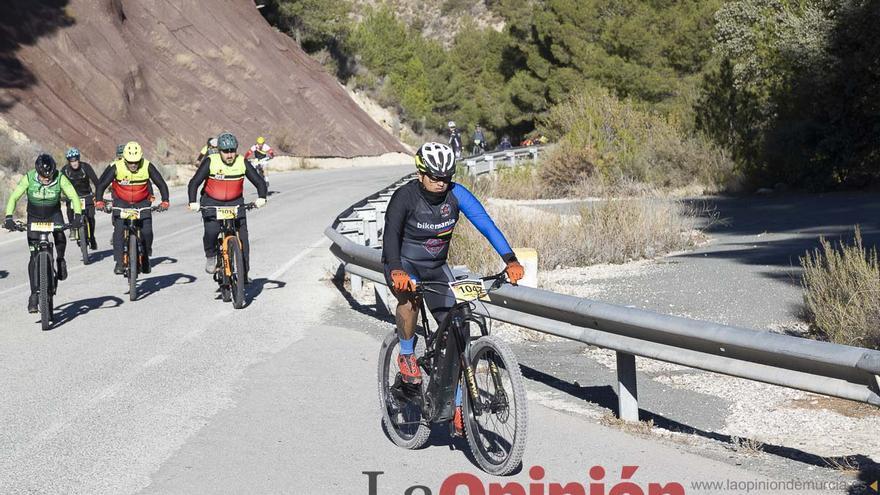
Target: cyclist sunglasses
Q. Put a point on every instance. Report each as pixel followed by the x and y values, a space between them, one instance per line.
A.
pixel 229 151
pixel 438 179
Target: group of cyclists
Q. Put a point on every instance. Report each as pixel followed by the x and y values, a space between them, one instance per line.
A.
pixel 480 145
pixel 131 178
pixel 419 220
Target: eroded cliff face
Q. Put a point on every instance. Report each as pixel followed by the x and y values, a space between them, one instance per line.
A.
pixel 94 73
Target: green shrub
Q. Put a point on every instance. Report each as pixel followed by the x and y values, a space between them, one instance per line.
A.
pixel 842 292
pixel 600 134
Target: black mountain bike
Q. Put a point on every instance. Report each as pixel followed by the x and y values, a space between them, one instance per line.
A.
pixel 230 273
pixel 493 393
pixel 83 233
pixel 47 281
pixel 134 253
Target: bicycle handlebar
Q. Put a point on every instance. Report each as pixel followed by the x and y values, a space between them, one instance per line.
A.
pixel 246 206
pixel 109 208
pixel 23 226
pixel 425 285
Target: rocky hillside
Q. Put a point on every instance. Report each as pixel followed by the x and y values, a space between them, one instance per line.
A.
pixel 93 73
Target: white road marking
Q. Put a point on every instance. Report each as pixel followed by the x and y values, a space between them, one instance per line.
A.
pixel 287 266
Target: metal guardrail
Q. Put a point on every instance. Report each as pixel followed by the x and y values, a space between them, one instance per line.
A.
pixel 821 367
pixel 490 161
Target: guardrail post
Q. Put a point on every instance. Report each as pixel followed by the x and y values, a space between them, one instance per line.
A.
pixel 471 166
pixel 491 160
pixel 357 283
pixel 534 153
pixel 380 206
pixel 371 232
pixel 512 157
pixel 627 394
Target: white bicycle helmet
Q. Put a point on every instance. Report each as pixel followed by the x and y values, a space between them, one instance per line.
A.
pixel 451 124
pixel 436 159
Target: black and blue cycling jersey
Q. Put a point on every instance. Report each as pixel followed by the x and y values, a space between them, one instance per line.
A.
pixel 419 225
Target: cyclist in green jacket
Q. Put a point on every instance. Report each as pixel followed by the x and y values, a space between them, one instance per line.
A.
pixel 44 186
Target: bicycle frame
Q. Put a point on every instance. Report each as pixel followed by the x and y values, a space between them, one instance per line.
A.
pixel 132 227
pixel 45 245
pixel 446 368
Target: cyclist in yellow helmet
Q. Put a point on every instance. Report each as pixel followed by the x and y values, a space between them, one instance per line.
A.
pixel 259 156
pixel 130 177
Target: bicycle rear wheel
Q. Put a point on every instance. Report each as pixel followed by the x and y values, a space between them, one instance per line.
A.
pixel 132 266
pixel 401 416
pixel 83 234
pixel 44 273
pixel 497 421
pixel 236 265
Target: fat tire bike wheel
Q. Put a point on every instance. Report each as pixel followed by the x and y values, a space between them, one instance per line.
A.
pixel 236 269
pixel 401 418
pixel 44 272
pixel 497 423
pixel 132 266
pixel 84 241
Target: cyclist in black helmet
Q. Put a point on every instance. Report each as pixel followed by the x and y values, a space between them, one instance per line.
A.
pixel 83 177
pixel 44 186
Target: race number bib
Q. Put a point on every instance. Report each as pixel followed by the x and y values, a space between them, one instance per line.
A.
pixel 227 213
pixel 468 290
pixel 130 214
pixel 42 227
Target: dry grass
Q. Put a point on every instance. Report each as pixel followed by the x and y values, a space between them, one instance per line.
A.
pixel 529 182
pixel 748 446
pixel 842 292
pixel 609 231
pixel 640 427
pixel 16 158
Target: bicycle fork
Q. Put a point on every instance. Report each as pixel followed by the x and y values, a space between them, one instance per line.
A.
pixel 224 253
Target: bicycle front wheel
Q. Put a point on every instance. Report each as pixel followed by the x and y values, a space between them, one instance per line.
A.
pixel 132 266
pixel 497 421
pixel 401 412
pixel 82 232
pixel 236 259
pixel 44 273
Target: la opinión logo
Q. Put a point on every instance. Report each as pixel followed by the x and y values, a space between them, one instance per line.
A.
pixel 454 484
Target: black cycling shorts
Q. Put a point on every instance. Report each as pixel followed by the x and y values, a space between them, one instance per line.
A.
pixel 438 304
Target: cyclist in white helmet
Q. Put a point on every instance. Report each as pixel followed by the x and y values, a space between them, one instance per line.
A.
pixel 455 139
pixel 418 229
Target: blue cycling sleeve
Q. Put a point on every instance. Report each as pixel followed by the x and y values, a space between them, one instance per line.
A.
pixel 474 211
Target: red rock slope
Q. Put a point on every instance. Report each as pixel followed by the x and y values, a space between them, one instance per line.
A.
pixel 94 73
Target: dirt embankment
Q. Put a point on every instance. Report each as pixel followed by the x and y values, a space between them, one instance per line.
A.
pixel 94 73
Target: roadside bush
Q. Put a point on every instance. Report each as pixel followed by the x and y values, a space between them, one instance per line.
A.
pixel 519 182
pixel 606 231
pixel 842 292
pixel 600 134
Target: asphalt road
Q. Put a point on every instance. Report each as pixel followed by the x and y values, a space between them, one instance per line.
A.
pixel 179 393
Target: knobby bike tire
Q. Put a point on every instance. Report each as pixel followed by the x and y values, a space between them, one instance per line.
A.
pixel 482 441
pixel 238 275
pixel 84 241
pixel 132 266
pixel 414 434
pixel 44 273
